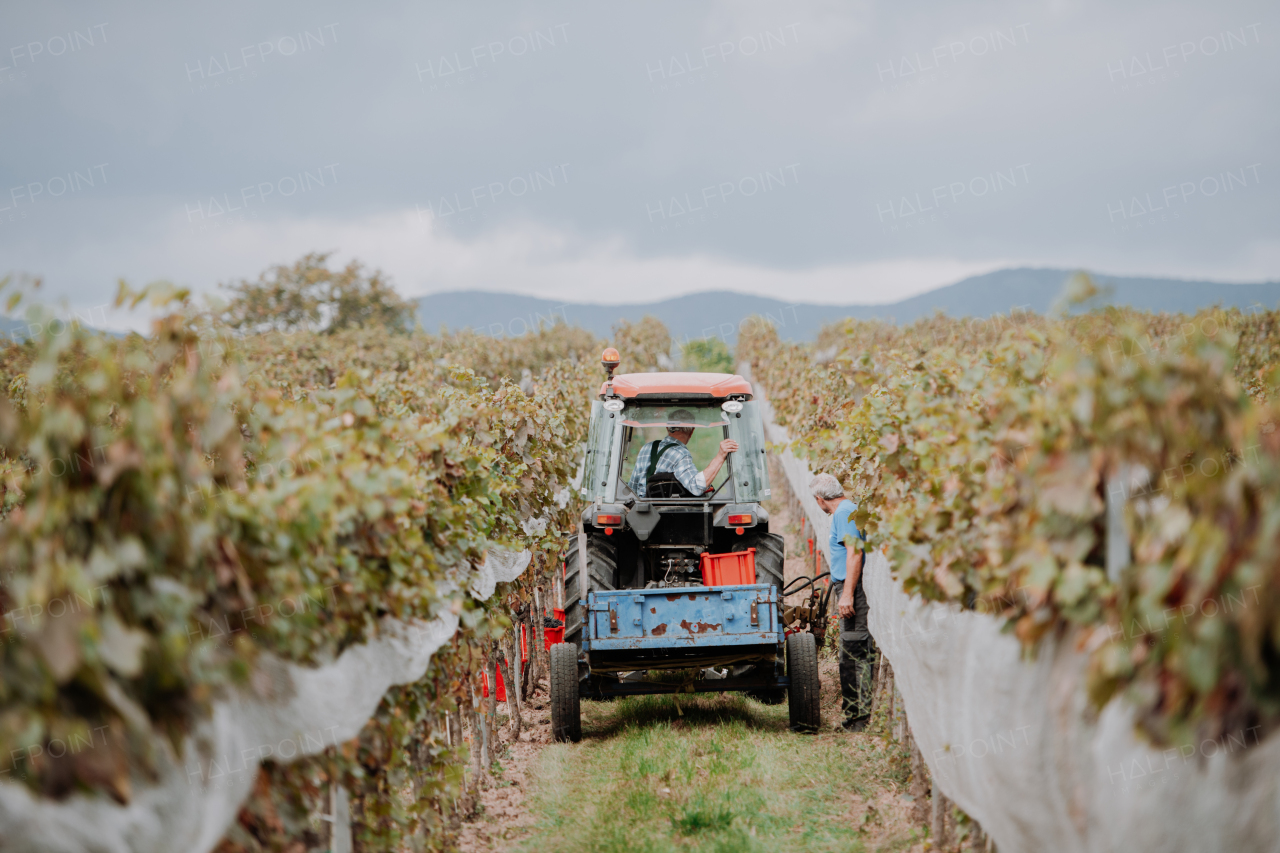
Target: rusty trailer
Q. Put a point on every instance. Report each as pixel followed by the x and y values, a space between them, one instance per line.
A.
pixel 694 629
pixel 630 627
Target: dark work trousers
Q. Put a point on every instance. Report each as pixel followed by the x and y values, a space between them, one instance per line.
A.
pixel 856 657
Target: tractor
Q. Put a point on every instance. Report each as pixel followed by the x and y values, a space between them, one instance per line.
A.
pixel 666 591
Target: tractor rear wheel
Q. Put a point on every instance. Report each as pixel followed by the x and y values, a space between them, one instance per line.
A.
pixel 566 710
pixel 603 556
pixel 770 555
pixel 802 695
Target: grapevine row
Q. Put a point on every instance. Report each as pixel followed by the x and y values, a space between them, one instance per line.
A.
pixel 165 497
pixel 982 455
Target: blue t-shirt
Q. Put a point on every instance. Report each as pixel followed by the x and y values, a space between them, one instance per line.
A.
pixel 842 526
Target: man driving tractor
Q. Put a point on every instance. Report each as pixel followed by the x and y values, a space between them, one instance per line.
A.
pixel 670 455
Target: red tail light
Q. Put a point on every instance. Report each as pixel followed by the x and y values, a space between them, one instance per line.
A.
pixel 608 520
pixel 741 519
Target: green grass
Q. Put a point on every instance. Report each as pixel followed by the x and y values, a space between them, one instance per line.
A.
pixel 713 773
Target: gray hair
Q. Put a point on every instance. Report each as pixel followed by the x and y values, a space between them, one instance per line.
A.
pixel 826 486
pixel 680 415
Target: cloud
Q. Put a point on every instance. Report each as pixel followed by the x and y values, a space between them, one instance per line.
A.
pixel 524 257
pixel 850 152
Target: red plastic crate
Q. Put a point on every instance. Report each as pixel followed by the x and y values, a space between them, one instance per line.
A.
pixel 502 688
pixel 551 636
pixel 738 567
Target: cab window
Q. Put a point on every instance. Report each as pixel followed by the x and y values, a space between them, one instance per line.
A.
pixel 643 424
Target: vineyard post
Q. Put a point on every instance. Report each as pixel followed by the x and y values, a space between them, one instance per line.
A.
pixel 513 707
pixel 339 819
pixel 902 726
pixel 517 665
pixel 889 690
pixel 919 786
pixel 938 824
pixel 529 671
pixel 1118 553
pixel 454 721
pixel 486 753
pixel 533 652
pixel 535 638
pixel 473 717
pixel 537 626
pixel 417 756
pixel 491 676
pixel 455 727
pixel 876 666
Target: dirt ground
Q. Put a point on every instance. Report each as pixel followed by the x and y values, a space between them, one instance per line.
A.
pixel 504 814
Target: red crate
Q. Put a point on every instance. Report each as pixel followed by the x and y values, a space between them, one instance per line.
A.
pixel 551 636
pixel 738 567
pixel 502 688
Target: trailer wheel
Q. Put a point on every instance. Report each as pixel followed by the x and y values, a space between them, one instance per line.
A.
pixel 566 711
pixel 802 695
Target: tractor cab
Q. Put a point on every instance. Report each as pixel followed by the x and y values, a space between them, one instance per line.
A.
pixel 659 527
pixel 637 409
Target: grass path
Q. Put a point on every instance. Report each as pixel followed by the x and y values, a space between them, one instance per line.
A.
pixel 702 773
pixel 714 772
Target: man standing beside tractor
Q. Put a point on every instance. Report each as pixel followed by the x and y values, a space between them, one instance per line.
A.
pixel 851 602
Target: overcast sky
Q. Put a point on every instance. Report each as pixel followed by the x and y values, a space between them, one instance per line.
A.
pixel 838 152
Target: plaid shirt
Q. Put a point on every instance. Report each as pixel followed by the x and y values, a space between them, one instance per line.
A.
pixel 677 460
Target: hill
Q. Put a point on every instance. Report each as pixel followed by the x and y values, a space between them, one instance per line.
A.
pixel 711 313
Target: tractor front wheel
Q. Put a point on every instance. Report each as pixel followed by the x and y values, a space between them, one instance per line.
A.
pixel 566 710
pixel 802 668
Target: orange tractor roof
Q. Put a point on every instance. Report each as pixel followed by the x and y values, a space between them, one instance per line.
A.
pixel 657 385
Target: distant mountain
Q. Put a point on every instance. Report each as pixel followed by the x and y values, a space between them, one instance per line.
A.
pixel 1036 289
pixel 711 313
pixel 16 329
pixel 13 328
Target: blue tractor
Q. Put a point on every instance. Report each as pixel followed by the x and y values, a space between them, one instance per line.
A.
pixel 659 596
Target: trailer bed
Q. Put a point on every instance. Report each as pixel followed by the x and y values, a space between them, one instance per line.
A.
pixel 715 622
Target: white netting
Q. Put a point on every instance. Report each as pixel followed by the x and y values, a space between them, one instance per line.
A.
pixel 293 711
pixel 500 566
pixel 1013 743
